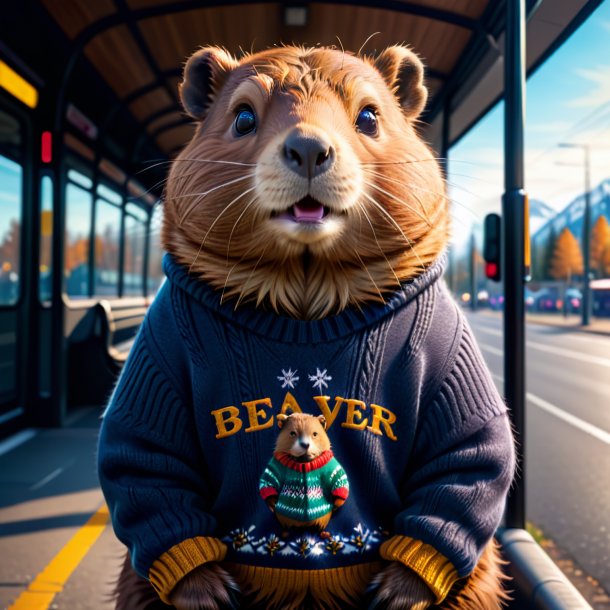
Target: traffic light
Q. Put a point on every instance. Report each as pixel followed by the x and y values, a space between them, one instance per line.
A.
pixel 492 246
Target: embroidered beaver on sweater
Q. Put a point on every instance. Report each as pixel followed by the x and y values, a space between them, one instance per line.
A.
pixel 303 482
pixel 305 225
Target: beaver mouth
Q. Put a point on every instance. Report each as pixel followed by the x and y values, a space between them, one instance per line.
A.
pixel 307 210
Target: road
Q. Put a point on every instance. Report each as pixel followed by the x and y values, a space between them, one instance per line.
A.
pixel 567 447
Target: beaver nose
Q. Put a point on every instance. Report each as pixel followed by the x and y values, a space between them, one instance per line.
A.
pixel 308 156
pixel 304 445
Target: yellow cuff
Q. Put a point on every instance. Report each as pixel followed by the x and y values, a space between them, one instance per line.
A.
pixel 435 569
pixel 181 559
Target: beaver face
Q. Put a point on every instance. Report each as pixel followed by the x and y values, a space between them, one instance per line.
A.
pixel 302 436
pixel 305 186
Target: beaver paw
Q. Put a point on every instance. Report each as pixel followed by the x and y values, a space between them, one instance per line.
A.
pixel 207 587
pixel 397 587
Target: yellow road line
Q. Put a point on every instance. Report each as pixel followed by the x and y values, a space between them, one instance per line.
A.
pixel 42 590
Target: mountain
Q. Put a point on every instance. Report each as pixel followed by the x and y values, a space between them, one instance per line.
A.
pixel 540 213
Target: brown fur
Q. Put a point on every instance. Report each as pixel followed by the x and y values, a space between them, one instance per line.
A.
pixel 401 588
pixel 302 424
pixel 386 193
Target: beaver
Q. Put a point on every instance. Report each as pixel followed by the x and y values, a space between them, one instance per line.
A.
pixel 305 223
pixel 303 447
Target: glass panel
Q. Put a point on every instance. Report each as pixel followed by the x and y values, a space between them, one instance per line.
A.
pixel 135 242
pixel 46 238
pixel 111 195
pixel 10 229
pixel 79 178
pixel 107 234
pixel 77 235
pixel 155 253
pixel 10 134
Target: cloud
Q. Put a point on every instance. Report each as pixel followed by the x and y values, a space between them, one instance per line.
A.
pixel 600 94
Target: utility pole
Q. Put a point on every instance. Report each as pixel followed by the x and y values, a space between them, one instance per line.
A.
pixel 586 233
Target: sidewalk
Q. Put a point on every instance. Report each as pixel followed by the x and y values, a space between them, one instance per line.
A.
pixel 598 326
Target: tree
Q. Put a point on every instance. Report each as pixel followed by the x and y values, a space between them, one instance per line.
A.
pixel 567 257
pixel 600 245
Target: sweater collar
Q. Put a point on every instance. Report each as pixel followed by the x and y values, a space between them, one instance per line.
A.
pixel 300 332
pixel 287 460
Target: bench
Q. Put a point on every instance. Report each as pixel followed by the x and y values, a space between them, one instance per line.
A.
pixel 98 347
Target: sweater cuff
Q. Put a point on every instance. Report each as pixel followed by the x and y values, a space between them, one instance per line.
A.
pixel 434 569
pixel 181 559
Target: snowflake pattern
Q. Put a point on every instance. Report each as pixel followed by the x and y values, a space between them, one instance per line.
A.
pixel 288 378
pixel 360 540
pixel 320 379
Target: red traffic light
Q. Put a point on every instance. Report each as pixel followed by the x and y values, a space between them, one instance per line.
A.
pixel 492 271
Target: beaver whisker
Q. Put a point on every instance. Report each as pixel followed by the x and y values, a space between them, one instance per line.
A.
pixel 172 161
pixel 243 290
pixel 403 162
pixel 235 225
pixel 361 207
pixel 369 274
pixel 216 220
pixel 241 260
pixel 407 187
pixel 393 222
pixel 410 207
pixel 205 193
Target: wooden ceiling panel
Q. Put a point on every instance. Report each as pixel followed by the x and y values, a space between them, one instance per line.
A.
pixel 230 26
pixel 150 103
pixel 136 4
pixel 119 60
pixel 468 8
pixel 180 136
pixel 74 15
pixel 166 119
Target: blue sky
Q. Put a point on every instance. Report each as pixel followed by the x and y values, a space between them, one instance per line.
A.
pixel 568 100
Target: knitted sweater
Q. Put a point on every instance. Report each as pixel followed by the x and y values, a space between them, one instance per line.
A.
pixel 305 490
pixel 411 411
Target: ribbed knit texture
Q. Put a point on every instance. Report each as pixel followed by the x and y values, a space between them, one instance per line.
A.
pixel 304 494
pixel 181 559
pixel 435 569
pixel 415 422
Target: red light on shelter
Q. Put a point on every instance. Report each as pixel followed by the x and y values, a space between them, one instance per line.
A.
pixel 491 271
pixel 46 147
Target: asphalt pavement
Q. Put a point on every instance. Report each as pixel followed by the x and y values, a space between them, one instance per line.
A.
pixel 567 446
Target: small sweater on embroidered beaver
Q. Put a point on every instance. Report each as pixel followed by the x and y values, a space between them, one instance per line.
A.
pixel 412 414
pixel 304 490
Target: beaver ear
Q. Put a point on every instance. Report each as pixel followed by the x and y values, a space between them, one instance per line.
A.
pixel 281 419
pixel 403 71
pixel 322 420
pixel 204 73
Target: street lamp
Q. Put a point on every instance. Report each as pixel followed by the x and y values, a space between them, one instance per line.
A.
pixel 586 232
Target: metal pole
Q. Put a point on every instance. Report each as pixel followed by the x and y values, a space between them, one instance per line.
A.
pixel 586 242
pixel 513 244
pixel 473 272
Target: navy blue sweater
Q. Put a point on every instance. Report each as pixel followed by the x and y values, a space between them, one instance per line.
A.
pixel 412 413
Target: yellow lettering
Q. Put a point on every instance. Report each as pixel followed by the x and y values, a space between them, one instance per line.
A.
pixel 330 416
pixel 221 421
pixel 254 414
pixel 290 404
pixel 382 417
pixel 354 415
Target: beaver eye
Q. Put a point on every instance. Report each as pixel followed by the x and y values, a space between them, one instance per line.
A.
pixel 366 122
pixel 245 121
pixel 293 433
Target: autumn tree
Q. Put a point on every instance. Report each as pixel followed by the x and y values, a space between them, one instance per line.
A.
pixel 567 257
pixel 600 246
